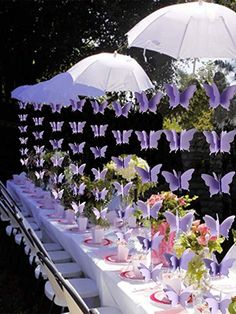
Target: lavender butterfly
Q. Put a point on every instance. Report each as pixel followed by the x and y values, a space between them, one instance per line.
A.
pixel 23 129
pixel 100 195
pixel 179 98
pixel 39 149
pixel 37 107
pixel 148 141
pixel 38 121
pixel 58 179
pixel 124 236
pixel 121 110
pixel 151 244
pixel 77 170
pixel 77 127
pixel 23 140
pixel 39 162
pixel 179 141
pixel 149 211
pixel 178 181
pixel 99 108
pixel 217 99
pixel 22 105
pixel 23 117
pixel 24 161
pixel 126 212
pixel 77 106
pixel 56 108
pixel 100 213
pixel 219 143
pixel 179 263
pixel 56 144
pixel 218 229
pixel 122 162
pixel 176 294
pixel 150 273
pixel 57 194
pixel 24 151
pixel 218 306
pixel 77 148
pixel 122 137
pixel 56 126
pixel 39 174
pixel 99 130
pixel 121 189
pixel 150 175
pixel 99 152
pixel 78 208
pixel 148 105
pixel 218 184
pixel 219 269
pixel 179 223
pixel 38 135
pixel 57 160
pixel 99 175
pixel 78 190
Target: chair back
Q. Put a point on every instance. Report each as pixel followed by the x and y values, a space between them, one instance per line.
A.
pixel 7 195
pixel 38 245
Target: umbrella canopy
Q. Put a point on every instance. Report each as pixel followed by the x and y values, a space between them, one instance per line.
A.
pixel 189 30
pixel 111 72
pixel 17 91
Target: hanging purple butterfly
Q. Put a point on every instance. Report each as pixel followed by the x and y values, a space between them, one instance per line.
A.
pixel 178 181
pixel 57 194
pixel 77 127
pixel 219 269
pixel 24 161
pixel 58 179
pixel 77 105
pixel 151 244
pixel 218 229
pixel 39 162
pixel 150 175
pixel 148 105
pixel 100 213
pixel 126 212
pixel 77 170
pixel 38 121
pixel 179 263
pixel 22 117
pixel 37 107
pixel 24 151
pixel 122 162
pixel 121 189
pixel 219 143
pixel 121 110
pixel 78 208
pixel 22 105
pixel 100 195
pixel 56 108
pixel 23 129
pixel 217 99
pixel 179 141
pixel 179 98
pixel 218 306
pixel 23 140
pixel 122 137
pixel 150 273
pixel 56 144
pixel 179 223
pixel 56 126
pixel 39 149
pixel 148 141
pixel 78 190
pixel 99 152
pixel 57 160
pixel 98 108
pixel 99 130
pixel 99 175
pixel 218 184
pixel 149 211
pixel 39 174
pixel 124 236
pixel 38 135
pixel 77 148
pixel 176 294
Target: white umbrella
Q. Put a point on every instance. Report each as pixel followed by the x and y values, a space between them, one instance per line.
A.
pixel 189 30
pixel 111 72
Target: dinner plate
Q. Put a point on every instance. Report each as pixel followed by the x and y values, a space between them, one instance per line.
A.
pixel 129 275
pixel 77 230
pixel 105 242
pixel 113 259
pixel 160 299
pixel 65 221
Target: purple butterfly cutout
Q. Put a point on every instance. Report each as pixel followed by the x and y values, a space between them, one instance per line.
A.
pixel 23 140
pixel 149 211
pixel 145 104
pixel 24 151
pixel 77 170
pixel 77 127
pixel 38 135
pixel 217 99
pixel 23 117
pixel 121 110
pixel 122 137
pixel 100 195
pixel 179 98
pixel 37 107
pixel 58 178
pixel 99 175
pixel 125 212
pixel 24 161
pixel 151 244
pixel 100 213
pixel 78 208
pixel 219 143
pixel 38 121
pixel 56 144
pixel 56 126
pixel 150 175
pixel 122 162
pixel 39 162
pixel 217 306
pixel 77 148
pixel 99 108
pixel 148 141
pixel 23 129
pixel 176 294
pixel 99 152
pixel 57 194
pixel 78 106
pixel 78 190
pixel 219 269
pixel 57 161
pixel 179 223
pixel 179 141
pixel 56 108
pixel 22 105
pixel 39 149
pixel 178 181
pixel 121 189
pixel 39 175
pixel 218 229
pixel 182 262
pixel 150 273
pixel 124 236
pixel 218 184
pixel 99 130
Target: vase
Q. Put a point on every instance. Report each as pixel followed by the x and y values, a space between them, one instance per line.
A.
pixel 97 235
pixel 82 223
pixel 59 210
pixel 122 253
pixel 70 216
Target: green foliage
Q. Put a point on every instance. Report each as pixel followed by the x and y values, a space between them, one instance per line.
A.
pixel 232 306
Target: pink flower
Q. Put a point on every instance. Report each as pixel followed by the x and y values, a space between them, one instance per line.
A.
pixel 182 202
pixel 154 199
pixel 202 240
pixel 162 228
pixel 203 229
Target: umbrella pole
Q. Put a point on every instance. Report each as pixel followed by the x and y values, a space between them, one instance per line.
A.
pixel 194 65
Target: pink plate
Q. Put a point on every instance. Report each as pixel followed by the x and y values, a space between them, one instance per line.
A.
pixel 130 275
pixel 76 230
pixel 104 242
pixel 113 259
pixel 45 207
pixel 65 221
pixel 160 298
